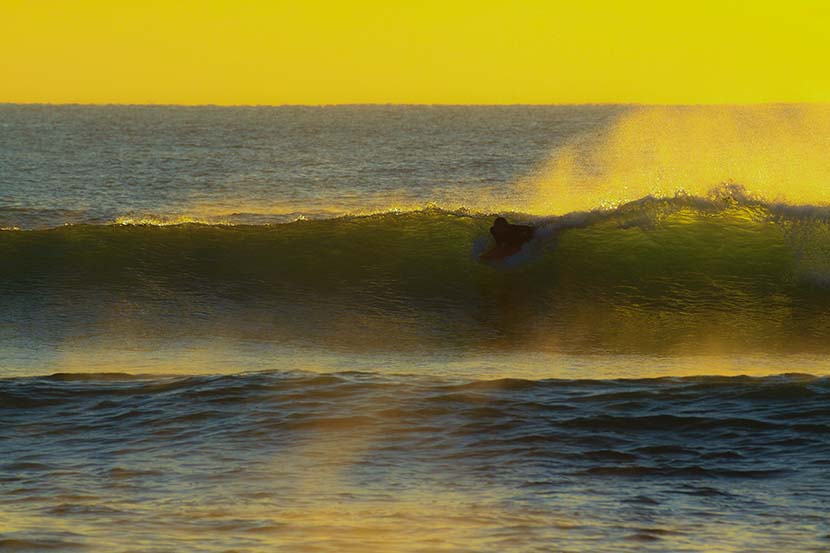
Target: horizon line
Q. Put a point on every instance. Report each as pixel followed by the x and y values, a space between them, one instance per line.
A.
pixel 417 104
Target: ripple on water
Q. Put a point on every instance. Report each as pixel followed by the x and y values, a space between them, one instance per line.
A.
pixel 340 460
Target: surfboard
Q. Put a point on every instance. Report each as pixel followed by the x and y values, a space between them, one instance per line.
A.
pixel 500 252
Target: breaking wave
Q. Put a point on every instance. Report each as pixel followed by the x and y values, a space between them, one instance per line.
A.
pixel 726 263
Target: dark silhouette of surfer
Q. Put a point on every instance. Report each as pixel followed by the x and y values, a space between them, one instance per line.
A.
pixel 509 238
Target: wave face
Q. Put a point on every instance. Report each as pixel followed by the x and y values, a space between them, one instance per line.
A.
pixel 347 461
pixel 681 274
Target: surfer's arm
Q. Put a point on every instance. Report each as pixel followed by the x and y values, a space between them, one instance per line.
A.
pixel 525 232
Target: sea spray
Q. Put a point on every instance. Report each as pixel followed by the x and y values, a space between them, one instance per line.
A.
pixel 777 152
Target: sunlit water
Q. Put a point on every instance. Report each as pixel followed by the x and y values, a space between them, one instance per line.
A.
pixel 242 329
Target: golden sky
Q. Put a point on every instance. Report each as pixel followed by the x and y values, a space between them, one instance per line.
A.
pixel 447 51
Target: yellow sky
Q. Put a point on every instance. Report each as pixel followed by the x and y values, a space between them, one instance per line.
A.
pixel 448 51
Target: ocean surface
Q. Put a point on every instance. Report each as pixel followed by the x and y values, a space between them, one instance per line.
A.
pixel 268 328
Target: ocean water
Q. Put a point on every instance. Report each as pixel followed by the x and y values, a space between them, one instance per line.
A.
pixel 258 329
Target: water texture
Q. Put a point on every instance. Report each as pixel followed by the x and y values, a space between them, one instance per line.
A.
pixel 251 329
pixel 358 461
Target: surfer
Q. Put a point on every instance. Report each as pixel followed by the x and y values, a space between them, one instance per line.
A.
pixel 510 236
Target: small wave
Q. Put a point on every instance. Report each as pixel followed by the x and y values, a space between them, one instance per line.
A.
pixel 691 471
pixel 667 422
pixel 37 544
pixel 98 377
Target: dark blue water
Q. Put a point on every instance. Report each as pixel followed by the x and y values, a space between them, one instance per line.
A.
pixel 340 461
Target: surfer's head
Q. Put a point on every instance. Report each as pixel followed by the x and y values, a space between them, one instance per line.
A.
pixel 499 222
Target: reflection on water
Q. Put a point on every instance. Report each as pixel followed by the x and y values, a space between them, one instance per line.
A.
pixel 356 461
